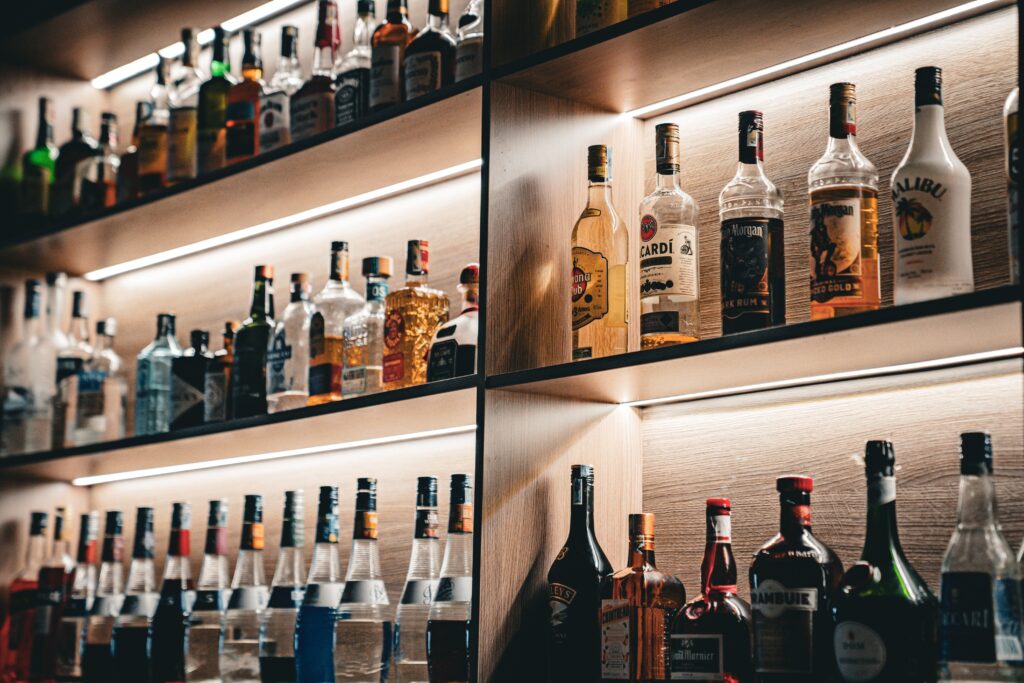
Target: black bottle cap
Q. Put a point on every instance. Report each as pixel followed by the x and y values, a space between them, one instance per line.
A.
pixel 426 492
pixel 461 489
pixel 55 277
pixel 220 44
pixel 181 516
pixel 32 298
pixel 199 338
pixel 38 523
pixel 879 458
pixel 218 513
pixel 251 42
pixel 583 471
pixel 328 503
pixel 230 327
pixel 253 511
pixel 339 245
pixel 165 324
pixel 976 453
pixel 293 526
pixel 107 328
pixel 289 40
pixel 366 7
pixel 927 86
pixel 144 541
pixel 366 494
pixel 113 525
pixel 264 272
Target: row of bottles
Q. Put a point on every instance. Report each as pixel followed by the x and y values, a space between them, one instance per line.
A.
pixel 69 622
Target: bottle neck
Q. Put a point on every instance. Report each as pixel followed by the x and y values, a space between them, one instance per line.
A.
pixel 44 135
pixel 581 515
pixel 54 307
pixel 398 10
pixel 363 31
pixel 882 538
pixel 80 328
pixel 325 566
pixel 35 555
pixel 977 506
pixel 364 560
pixel 641 552
pixel 718 570
pixel 262 300
pixel 419 279
pixel 929 127
pixel 219 68
pixel 103 343
pixel 111 581
pixel 795 515
pixel 458 555
pixel 339 266
pixel 290 563
pixel 437 22
pixel 666 180
pixel 599 193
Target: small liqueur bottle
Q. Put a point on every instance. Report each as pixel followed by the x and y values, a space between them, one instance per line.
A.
pixel 753 257
pixel 99 175
pixel 153 404
pixel 600 264
pixel 1012 146
pixel 574 590
pixel 239 654
pixel 81 146
pixel 277 626
pixel 886 617
pixel 844 217
pixel 638 604
pixel 97 651
pixel 792 580
pixel 592 15
pixel 288 357
pixel 243 108
pixel 312 105
pixel 420 587
pixel 29 367
pixel 333 305
pixel 17 651
pixel 183 98
pixel 352 96
pixel 130 640
pixel 469 51
pixel 169 636
pixel 218 375
pixel 102 391
pixel 364 333
pixel 450 618
pixel 414 312
pixel 711 635
pixel 275 110
pixel 979 632
pixel 362 628
pixel 453 348
pixel 314 624
pixel 54 590
pixel 430 57
pixel 669 254
pixel 39 170
pixel 640 6
pixel 212 106
pixel 389 42
pixel 931 194
pixel 70 362
pixel 204 621
pixel 83 592
pixel 153 134
pixel 128 169
pixel 188 376
pixel 248 380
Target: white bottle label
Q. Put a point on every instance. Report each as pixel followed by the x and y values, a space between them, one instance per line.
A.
pixel 668 259
pixel 275 121
pixel 469 58
pixel 385 75
pixel 422 74
pixel 835 249
pixel 860 652
pixel 615 639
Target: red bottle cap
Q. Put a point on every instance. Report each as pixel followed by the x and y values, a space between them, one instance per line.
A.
pixel 794 482
pixel 721 503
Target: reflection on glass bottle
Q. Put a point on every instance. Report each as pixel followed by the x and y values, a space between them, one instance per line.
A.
pixel 275 111
pixel 364 333
pixel 29 390
pixel 277 627
pixel 83 592
pixel 453 348
pixel 217 378
pixel 1012 144
pixel 288 357
pixel 469 53
pixel 153 404
pixel 247 384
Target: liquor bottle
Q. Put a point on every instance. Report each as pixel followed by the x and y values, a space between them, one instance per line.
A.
pixel 979 632
pixel 886 618
pixel 314 623
pixel 153 383
pixel 102 391
pixel 333 305
pixel 592 15
pixel 128 170
pixel 97 652
pixel 218 375
pixel 182 163
pixel 574 589
pixel 56 296
pixel 243 108
pixel 420 587
pixel 413 314
pixel 669 254
pixel 640 6
pixel 430 57
pixel 277 627
pixel 169 633
pixel 29 389
pixel 188 377
pixel 638 604
pixel 153 134
pixel 844 217
pixel 931 194
pixel 202 652
pixel 364 333
pixel 453 348
pixel 239 655
pixel 600 266
pixel 212 106
pixel 312 105
pixel 39 169
pixel 247 383
pixel 288 357
pixel 792 580
pixel 99 173
pixel 130 640
pixel 753 257
pixel 389 42
pixel 450 618
pixel 70 363
pixel 469 51
pixel 711 635
pixel 21 609
pixel 1012 145
pixel 55 581
pixel 80 599
pixel 81 146
pixel 352 94
pixel 275 110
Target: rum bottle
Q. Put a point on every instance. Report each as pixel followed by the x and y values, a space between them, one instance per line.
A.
pixel 204 619
pixel 212 105
pixel 277 626
pixel 17 650
pixel 314 624
pixel 469 51
pixel 288 357
pixel 243 108
pixel 56 578
pixel 312 105
pixel 130 640
pixel 102 391
pixel 364 333
pixel 188 374
pixel 430 57
pixel 183 100
pixel 352 96
pixel 333 305
pixel 247 383
pixel 28 379
pixel 153 379
pixel 275 110
pixel 239 653
pixel 169 626
pixel 453 348
pixel 99 173
pixel 97 646
pixel 388 45
pixel 83 592
pixel 1012 146
pixel 39 169
pixel 153 134
pixel 217 378
pixel 81 146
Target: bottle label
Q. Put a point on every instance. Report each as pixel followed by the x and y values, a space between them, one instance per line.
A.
pixel 324 371
pixel 353 378
pixel 215 391
pixel 275 121
pixel 365 527
pixel 881 490
pixel 311 114
pixel 745 262
pixel 615 639
pixel 252 598
pixel 394 359
pixel 783 627
pixel 933 227
pixel 835 248
pixel 68 367
pixel 419 592
pixel 152 150
pixel 369 592
pixel 454 589
pixel 280 352
pixel 184 397
pixel 209 601
pixel 385 75
pixel 212 146
pixel 352 98
pixel 721 528
pixel 426 524
pixel 668 260
pixel 140 604
pixel 589 287
pixel 461 519
pixel 441 362
pixel 90 395
pixel 697 657
pixel 979 618
pixel 181 143
pixel 592 15
pixel 469 58
pixel 860 652
pixel 560 598
pixel 422 74
pixel 322 595
pixel 286 597
pixel 242 135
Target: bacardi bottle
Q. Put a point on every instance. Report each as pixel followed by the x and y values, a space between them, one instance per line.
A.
pixel 204 622
pixel 288 357
pixel 277 628
pixel 130 640
pixel 469 51
pixel 388 44
pixel 312 105
pixel 430 57
pixel 153 383
pixel 243 107
pixel 1012 145
pixel 97 641
pixel 169 627
pixel 217 378
pixel 17 651
pixel 183 98
pixel 239 654
pixel 275 110
pixel 211 119
pixel 352 97
pixel 56 578
pixel 333 305
pixel 314 625
pixel 188 376
pixel 83 592
pixel 364 333
pixel 248 381
pixel 453 348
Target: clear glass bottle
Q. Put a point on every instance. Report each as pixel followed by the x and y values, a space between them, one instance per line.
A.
pixel 99 174
pixel 333 306
pixel 102 391
pixel 70 362
pixel 430 58
pixel 207 613
pixel 243 107
pixel 153 134
pixel 212 103
pixel 277 627
pixel 130 640
pixel 275 111
pixel 247 383
pixel 288 357
pixel 81 146
pixel 1012 145
pixel 21 595
pixel 29 389
pixel 183 99
pixel 312 105
pixel 453 348
pixel 364 333
pixel 153 405
pixel 97 650
pixel 388 44
pixel 469 52
pixel 188 380
pixel 169 633
pixel 239 655
pixel 218 376
pixel 352 96
pixel 56 300
pixel 39 170
pixel 669 254
pixel 80 599
pixel 55 583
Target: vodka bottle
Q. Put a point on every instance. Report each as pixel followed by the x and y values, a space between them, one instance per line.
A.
pixel 277 628
pixel 130 640
pixel 28 382
pixel 314 625
pixel 153 386
pixel 97 650
pixel 204 623
pixel 288 357
pixel 168 631
pixel 239 656
pixel 83 591
pixel 55 583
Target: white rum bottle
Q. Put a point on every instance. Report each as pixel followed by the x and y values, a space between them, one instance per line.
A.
pixel 844 217
pixel 931 196
pixel 600 258
pixel 1012 161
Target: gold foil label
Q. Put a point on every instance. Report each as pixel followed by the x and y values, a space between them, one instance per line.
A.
pixel 589 287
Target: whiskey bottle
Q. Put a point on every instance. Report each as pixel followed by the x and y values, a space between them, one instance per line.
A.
pixel 243 107
pixel 600 266
pixel 183 99
pixel 469 51
pixel 592 15
pixel 574 590
pixel 312 105
pixel 153 383
pixel 1012 146
pixel 414 313
pixel 362 627
pixel 128 170
pixel 352 97
pixel 332 306
pixel 638 604
pixel 388 44
pixel 711 635
pixel 17 651
pixel 450 618
pixel 97 652
pixel 430 57
pixel 886 618
pixel 979 628
pixel 792 580
pixel 39 170
pixel 80 599
pixel 453 348
pixel 248 380
pixel 669 254
pixel 153 134
pixel 130 640
pixel 202 643
pixel 844 217
pixel 99 173
pixel 288 357
pixel 102 391
pixel 218 374
pixel 169 627
pixel 239 652
pixel 420 587
pixel 314 624
pixel 277 627
pixel 275 110
pixel 55 582
pixel 188 376
pixel 81 146
pixel 753 257
pixel 28 378
pixel 931 194
pixel 364 333
pixel 212 104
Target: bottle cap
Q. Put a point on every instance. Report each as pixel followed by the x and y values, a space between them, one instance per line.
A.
pixel 582 472
pixel 199 338
pixel 38 523
pixel 32 298
pixel 641 524
pixel 79 120
pixel 60 523
pixel 251 41
pixel 599 160
pixel 426 492
pixel 927 86
pixel 264 272
pixel 378 266
pixel 976 453
pixel 253 511
pixel 879 458
pixel 723 504
pixel 328 499
pixel 181 516
pixel 218 513
pixel 366 7
pixel 230 327
pixel 300 279
pixel 220 44
pixel 113 525
pixel 366 494
pixel 666 148
pixel 417 257
pixel 165 324
pixel 470 275
pixel 78 304
pixel 339 245
pixel 461 489
pixel 107 328
pixel 794 483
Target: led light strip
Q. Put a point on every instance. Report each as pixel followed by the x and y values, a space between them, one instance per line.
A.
pixel 791 65
pixel 286 221
pixel 262 457
pixel 935 364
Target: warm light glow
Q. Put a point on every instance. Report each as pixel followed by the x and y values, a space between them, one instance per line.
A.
pixel 286 221
pixel 261 457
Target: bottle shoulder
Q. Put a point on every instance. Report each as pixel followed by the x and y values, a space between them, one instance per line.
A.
pixel 431 40
pixel 670 205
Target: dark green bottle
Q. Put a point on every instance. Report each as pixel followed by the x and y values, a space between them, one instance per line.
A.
pixel 212 132
pixel 248 381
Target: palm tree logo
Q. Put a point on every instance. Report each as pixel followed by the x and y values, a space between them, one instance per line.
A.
pixel 914 220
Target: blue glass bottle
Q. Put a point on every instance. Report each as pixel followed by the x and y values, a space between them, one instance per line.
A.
pixel 314 627
pixel 153 406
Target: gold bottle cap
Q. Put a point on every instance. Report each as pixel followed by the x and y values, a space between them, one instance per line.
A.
pixel 380 266
pixel 667 150
pixel 641 525
pixel 599 163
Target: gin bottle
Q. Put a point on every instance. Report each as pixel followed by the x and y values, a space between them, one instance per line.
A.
pixel 333 306
pixel 153 404
pixel 469 52
pixel 83 592
pixel 188 374
pixel 288 357
pixel 207 613
pixel 352 97
pixel 70 362
pixel 247 384
pixel 239 656
pixel 28 381
pixel 97 650
pixel 312 105
pixel 183 97
pixel 277 627
pixel 17 651
pixel 364 333
pixel 55 583
pixel 102 391
pixel 453 348
pixel 169 627
pixel 130 640
pixel 314 625
pixel 275 112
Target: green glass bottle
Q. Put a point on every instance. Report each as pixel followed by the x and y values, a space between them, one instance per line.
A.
pixel 248 380
pixel 213 105
pixel 39 168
